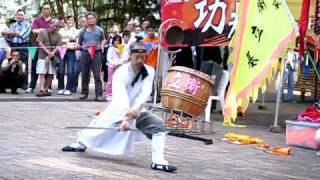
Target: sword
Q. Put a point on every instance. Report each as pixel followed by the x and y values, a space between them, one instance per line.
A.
pixel 179 135
pixel 102 128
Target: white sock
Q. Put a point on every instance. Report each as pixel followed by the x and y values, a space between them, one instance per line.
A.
pixel 158 143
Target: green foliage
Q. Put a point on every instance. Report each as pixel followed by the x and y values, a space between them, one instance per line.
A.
pixel 121 11
pixel 9 21
pixel 116 11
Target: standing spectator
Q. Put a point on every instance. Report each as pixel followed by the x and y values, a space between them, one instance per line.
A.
pixel 126 37
pixel 114 61
pixel 138 30
pixel 291 65
pixel 48 40
pixel 12 73
pixel 151 43
pixel 104 67
pixel 19 38
pixel 62 21
pixel 144 33
pixel 114 30
pixel 3 42
pixel 69 35
pixel 131 28
pixel 82 24
pixel 40 23
pixel 91 36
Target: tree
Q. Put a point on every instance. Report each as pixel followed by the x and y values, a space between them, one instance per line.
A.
pixel 120 11
pixel 59 4
pixel 75 11
pixel 108 13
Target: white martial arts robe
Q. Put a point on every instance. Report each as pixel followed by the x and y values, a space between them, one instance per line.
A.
pixel 124 96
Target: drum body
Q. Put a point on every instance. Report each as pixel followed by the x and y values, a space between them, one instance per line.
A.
pixel 187 90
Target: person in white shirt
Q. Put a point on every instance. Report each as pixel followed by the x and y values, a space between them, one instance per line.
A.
pixel 126 37
pixel 132 85
pixel 3 43
pixel 69 35
pixel 291 66
pixel 137 30
pixel 114 60
pixel 131 26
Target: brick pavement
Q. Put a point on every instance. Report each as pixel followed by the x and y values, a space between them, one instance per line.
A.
pixel 32 134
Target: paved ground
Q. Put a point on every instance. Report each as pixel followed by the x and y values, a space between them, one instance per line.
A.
pixel 32 134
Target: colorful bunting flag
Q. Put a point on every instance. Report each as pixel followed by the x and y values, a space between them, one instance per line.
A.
pixel 32 51
pixel 92 51
pixel 62 51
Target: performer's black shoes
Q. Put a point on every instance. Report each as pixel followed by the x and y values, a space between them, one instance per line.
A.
pixel 72 149
pixel 165 168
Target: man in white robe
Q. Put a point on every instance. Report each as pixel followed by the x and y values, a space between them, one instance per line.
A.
pixel 132 85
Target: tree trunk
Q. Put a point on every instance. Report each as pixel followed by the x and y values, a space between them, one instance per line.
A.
pixel 60 10
pixel 52 6
pixel 75 11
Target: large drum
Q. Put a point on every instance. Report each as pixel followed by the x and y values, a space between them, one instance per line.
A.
pixel 187 90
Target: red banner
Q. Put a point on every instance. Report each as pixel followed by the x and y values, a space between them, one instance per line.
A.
pixel 304 19
pixel 204 22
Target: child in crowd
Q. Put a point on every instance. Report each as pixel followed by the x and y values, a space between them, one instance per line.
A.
pixel 114 60
pixel 125 37
pixel 151 43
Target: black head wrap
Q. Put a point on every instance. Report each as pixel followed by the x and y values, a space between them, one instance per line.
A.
pixel 134 49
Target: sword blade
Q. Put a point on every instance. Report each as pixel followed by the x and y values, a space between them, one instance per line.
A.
pixel 176 134
pixel 99 128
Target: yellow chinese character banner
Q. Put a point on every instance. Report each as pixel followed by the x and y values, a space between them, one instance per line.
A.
pixel 264 30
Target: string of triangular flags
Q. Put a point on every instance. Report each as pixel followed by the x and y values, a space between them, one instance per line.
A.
pixel 62 50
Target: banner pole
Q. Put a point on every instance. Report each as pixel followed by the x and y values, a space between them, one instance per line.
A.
pixel 276 128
